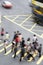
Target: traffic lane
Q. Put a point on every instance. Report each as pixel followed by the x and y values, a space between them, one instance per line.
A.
pixel 19 7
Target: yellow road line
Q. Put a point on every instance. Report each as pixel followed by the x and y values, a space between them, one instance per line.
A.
pixel 1 44
pixel 6 48
pixel 15 18
pixel 40 60
pixel 17 53
pixel 8 52
pixel 25 20
pixel 32 58
pixel 23 27
pixel 32 26
pixel 34 55
pixel 24 55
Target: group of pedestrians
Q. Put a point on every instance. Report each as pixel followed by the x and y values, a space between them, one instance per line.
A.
pixel 26 47
pixel 4 37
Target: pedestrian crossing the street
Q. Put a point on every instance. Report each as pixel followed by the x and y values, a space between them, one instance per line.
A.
pixel 18 52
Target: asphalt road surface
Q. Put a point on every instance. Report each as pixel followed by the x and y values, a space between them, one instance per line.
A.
pixel 19 17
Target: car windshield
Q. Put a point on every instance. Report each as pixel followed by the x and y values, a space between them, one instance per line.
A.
pixel 3 2
pixel 40 1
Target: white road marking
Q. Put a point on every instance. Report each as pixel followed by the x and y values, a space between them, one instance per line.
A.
pixel 15 18
pixel 14 15
pixel 25 19
pixel 17 53
pixel 23 27
pixel 6 48
pixel 8 52
pixel 32 26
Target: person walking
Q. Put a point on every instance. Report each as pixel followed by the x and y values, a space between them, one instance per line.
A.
pixel 2 34
pixel 39 50
pixel 22 44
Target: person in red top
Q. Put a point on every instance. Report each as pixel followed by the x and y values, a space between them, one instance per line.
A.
pixel 2 33
pixel 17 40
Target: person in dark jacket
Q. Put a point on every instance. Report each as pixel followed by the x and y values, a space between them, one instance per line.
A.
pixel 30 54
pixel 22 44
pixel 16 39
pixel 13 41
pixel 39 50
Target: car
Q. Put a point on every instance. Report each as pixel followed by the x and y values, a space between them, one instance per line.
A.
pixel 6 4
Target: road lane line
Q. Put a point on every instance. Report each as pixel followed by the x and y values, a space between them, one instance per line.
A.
pixel 40 60
pixel 15 15
pixel 25 20
pixel 6 48
pixel 32 26
pixel 23 27
pixel 15 18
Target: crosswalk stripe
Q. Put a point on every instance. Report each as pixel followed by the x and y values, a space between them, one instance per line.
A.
pixel 17 53
pixel 32 58
pixel 6 48
pixel 34 55
pixel 1 44
pixel 8 52
pixel 40 60
pixel 24 55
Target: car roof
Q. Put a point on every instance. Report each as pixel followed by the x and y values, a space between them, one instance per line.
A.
pixel 7 2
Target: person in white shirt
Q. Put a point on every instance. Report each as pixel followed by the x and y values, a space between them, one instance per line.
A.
pixel 7 36
pixel 6 40
pixel 34 38
pixel 28 41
